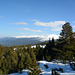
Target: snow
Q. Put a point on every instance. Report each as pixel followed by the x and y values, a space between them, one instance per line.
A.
pixel 66 67
pixel 44 37
pixel 47 71
pixel 26 47
pixel 33 46
pixel 15 49
pixel 26 70
pixel 42 46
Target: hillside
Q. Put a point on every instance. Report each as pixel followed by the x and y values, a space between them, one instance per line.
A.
pixel 19 41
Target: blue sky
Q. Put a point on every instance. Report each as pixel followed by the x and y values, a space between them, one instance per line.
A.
pixel 35 17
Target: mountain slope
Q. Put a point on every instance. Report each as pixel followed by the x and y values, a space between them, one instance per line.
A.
pixel 18 41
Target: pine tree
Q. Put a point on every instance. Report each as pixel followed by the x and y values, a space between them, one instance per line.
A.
pixel 66 41
pixel 66 31
pixel 49 53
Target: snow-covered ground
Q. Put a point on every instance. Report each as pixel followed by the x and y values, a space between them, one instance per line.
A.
pixel 66 68
pixel 47 71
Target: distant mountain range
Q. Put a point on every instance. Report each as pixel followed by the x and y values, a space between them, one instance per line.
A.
pixel 11 41
pixel 25 40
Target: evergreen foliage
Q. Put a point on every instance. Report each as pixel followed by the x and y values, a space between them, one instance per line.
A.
pixel 66 43
pixel 16 60
pixel 49 53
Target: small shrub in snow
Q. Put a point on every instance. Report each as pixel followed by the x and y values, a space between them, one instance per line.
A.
pixel 56 73
pixel 60 69
pixel 35 71
pixel 72 65
pixel 46 66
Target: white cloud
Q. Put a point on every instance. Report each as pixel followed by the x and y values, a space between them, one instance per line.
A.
pixel 54 25
pixel 73 26
pixel 20 23
pixel 42 37
pixel 73 21
pixel 26 36
pixel 56 29
pixel 50 24
pixel 30 30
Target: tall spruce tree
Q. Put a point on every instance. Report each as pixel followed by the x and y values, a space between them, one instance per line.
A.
pixel 66 31
pixel 49 53
pixel 66 42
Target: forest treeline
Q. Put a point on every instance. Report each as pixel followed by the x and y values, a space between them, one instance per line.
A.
pixel 26 58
